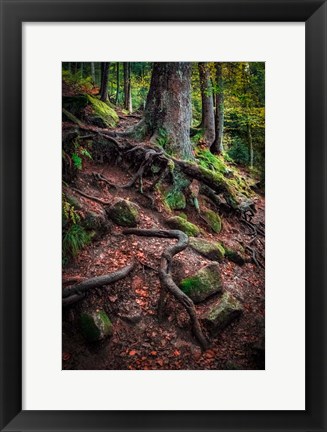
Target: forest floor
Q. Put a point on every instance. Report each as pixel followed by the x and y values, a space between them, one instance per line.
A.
pixel 139 341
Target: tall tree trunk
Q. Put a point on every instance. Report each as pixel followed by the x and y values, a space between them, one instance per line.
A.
pixel 118 83
pixel 104 81
pixel 69 67
pixel 93 72
pixel 208 117
pixel 250 142
pixel 82 69
pixel 168 107
pixel 75 67
pixel 127 87
pixel 217 146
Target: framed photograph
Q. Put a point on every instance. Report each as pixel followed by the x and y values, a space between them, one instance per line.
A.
pixel 163 215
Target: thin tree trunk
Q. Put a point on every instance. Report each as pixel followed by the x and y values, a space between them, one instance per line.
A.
pixel 208 117
pixel 217 145
pixel 250 142
pixel 127 87
pixel 82 69
pixel 104 82
pixel 118 83
pixel 69 67
pixel 93 72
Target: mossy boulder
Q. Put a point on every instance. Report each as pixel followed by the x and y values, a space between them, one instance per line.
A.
pixel 209 249
pixel 179 223
pixel 123 213
pixel 175 199
pixel 97 222
pixel 102 114
pixel 234 256
pixel 95 325
pixel 226 309
pixel 203 284
pixel 213 220
pixel 90 109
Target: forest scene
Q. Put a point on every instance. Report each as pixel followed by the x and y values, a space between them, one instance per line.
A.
pixel 163 215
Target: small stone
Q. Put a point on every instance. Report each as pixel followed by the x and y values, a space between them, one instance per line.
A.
pixel 209 249
pixel 203 284
pixel 226 309
pixel 178 223
pixel 124 213
pixel 95 325
pixel 213 220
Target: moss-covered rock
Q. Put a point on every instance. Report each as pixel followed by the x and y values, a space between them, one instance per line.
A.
pixel 102 114
pixel 123 213
pixel 95 325
pixel 97 222
pixel 222 313
pixel 179 223
pixel 209 249
pixel 234 256
pixel 175 199
pixel 213 220
pixel 203 284
pixel 91 109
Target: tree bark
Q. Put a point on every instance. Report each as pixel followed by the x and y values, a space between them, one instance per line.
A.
pixel 208 117
pixel 168 107
pixel 118 84
pixel 104 81
pixel 217 146
pixel 93 72
pixel 127 87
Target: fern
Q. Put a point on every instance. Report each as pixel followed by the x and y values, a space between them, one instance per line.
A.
pixel 74 239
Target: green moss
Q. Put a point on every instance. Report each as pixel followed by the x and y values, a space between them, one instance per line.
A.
pixel 203 284
pixel 223 312
pixel 103 112
pixel 179 223
pixel 234 256
pixel 213 220
pixel 211 250
pixel 183 215
pixel 124 213
pixel 95 325
pixel 175 199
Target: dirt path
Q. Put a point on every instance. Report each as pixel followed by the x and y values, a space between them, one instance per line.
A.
pixel 139 340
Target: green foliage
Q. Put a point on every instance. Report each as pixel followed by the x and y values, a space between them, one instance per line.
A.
pixel 77 160
pixel 76 81
pixel 74 236
pixel 239 152
pixel 70 215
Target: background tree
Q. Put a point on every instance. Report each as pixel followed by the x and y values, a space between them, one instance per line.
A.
pixel 208 118
pixel 104 82
pixel 127 87
pixel 217 145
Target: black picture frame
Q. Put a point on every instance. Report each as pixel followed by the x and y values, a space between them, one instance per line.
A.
pixel 13 14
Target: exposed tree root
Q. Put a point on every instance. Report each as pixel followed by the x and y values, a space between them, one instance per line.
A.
pixel 76 292
pixel 98 200
pixel 166 280
pixel 147 155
